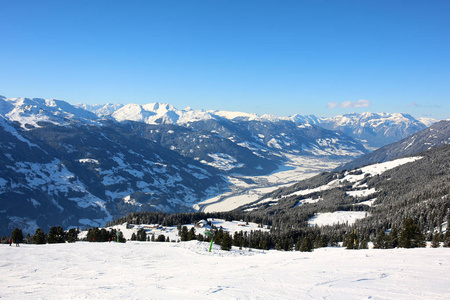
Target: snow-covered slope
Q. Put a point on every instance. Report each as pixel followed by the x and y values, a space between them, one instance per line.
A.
pixel 186 270
pixel 30 112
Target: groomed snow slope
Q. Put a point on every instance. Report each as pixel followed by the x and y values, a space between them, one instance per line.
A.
pixel 150 270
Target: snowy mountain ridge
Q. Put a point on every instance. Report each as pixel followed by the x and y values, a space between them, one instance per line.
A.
pixel 374 130
pixel 31 112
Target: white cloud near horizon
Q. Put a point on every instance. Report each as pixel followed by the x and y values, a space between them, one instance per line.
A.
pixel 349 104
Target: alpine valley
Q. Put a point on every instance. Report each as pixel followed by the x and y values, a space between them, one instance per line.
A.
pixel 85 165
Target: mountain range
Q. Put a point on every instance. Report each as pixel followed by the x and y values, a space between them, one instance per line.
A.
pixel 86 164
pixel 373 130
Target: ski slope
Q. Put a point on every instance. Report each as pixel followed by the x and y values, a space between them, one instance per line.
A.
pixel 151 270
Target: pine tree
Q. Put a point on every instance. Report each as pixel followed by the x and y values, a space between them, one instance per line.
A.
pixel 72 235
pixel 364 244
pixel 392 239
pixel 17 235
pixel 184 234
pixel 307 245
pixel 349 241
pixel 52 235
pixel 191 234
pixel 411 236
pixel 226 242
pixel 381 240
pixel 436 241
pixel 39 236
pixel 141 235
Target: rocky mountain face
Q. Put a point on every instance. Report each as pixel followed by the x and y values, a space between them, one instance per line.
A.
pixel 436 135
pixel 83 165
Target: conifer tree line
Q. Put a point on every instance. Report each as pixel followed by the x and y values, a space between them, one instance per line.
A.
pixel 55 235
pixel 287 238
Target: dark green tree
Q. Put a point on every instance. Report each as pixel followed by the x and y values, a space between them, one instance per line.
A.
pixel 349 241
pixel 307 245
pixel 226 242
pixel 411 236
pixel 447 238
pixel 191 234
pixel 392 239
pixel 200 237
pixel 381 240
pixel 184 234
pixel 51 239
pixel 141 235
pixel 39 236
pixel 17 235
pixel 72 235
pixel 56 235
pixel 161 238
pixel 436 240
pixel 364 244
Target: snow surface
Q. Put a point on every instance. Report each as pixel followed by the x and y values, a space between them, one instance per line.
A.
pixel 151 270
pixel 342 217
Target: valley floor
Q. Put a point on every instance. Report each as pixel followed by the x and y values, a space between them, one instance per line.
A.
pixel 150 270
pixel 241 192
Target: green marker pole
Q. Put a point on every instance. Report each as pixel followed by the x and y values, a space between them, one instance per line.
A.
pixel 210 245
pixel 212 238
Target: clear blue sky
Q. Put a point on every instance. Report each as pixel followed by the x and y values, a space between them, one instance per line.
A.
pixel 278 57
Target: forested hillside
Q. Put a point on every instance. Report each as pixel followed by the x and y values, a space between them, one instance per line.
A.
pixel 415 188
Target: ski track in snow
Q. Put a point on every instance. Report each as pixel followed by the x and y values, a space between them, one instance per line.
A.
pixel 151 270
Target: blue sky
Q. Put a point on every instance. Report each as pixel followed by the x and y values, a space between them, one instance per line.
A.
pixel 277 57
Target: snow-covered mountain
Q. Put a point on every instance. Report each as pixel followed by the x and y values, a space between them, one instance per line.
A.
pixel 79 165
pixel 436 135
pixel 30 113
pixel 373 130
